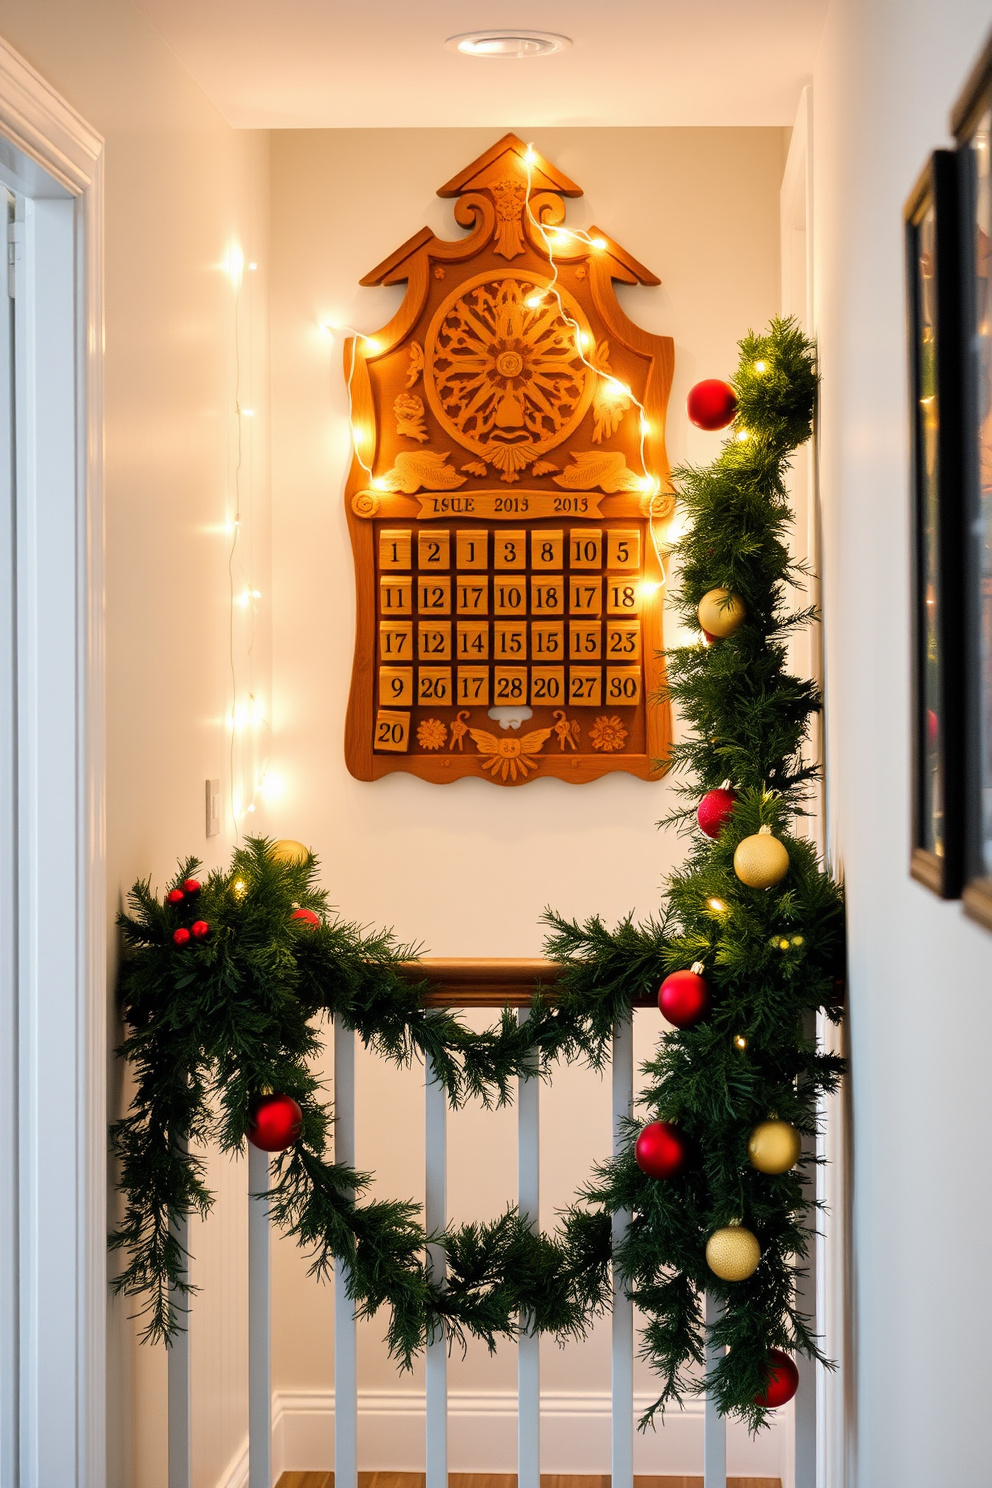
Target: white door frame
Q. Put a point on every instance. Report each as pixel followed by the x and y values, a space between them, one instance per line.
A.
pixel 53 1391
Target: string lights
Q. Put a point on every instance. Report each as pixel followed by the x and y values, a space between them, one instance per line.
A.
pixel 650 484
pixel 249 727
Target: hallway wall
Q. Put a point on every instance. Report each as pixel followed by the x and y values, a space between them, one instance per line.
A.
pixel 920 975
pixel 468 868
pixel 182 189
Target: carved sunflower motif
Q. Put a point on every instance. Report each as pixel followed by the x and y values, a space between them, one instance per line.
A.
pixel 503 374
pixel 607 734
pixel 432 733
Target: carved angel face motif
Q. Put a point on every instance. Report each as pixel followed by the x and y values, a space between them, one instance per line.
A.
pixel 503 373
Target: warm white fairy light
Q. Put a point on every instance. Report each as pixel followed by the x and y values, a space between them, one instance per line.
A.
pixel 248 718
pixel 650 484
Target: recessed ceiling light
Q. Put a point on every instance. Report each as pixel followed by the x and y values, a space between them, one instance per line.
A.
pixel 508 43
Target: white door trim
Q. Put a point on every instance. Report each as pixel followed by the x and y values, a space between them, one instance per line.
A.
pixel 48 151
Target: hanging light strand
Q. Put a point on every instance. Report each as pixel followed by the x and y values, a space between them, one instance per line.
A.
pixel 651 483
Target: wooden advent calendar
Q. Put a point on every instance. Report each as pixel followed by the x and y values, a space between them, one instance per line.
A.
pixel 506 499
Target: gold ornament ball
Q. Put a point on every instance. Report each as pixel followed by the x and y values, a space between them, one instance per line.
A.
pixel 774 1146
pixel 761 861
pixel 288 851
pixel 719 617
pixel 733 1253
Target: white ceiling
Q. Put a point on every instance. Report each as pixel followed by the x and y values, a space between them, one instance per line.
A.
pixel 382 63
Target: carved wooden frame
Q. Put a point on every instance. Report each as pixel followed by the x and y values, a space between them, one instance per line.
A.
pixel 495 311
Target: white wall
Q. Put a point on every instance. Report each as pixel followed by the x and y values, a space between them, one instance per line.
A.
pixel 181 187
pixel 920 1007
pixel 468 868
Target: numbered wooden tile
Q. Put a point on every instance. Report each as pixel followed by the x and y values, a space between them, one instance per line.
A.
pixel 472 688
pixel 585 686
pixel 623 597
pixel 472 594
pixel 394 547
pixel 434 640
pixel 395 596
pixel 510 640
pixel 396 640
pixel 585 595
pixel 396 686
pixel 623 686
pixel 585 547
pixel 509 596
pixel 547 596
pixel 434 596
pixel 547 641
pixel 623 548
pixel 392 731
pixel 547 685
pixel 546 546
pixel 623 640
pixel 585 640
pixel 472 549
pixel 473 641
pixel 433 548
pixel 510 685
pixel 434 685
pixel 510 549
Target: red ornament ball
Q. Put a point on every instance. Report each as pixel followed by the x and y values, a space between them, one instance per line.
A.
pixel 714 809
pixel 192 886
pixel 201 929
pixel 684 998
pixel 711 404
pixel 175 896
pixel 180 936
pixel 275 1122
pixel 307 916
pixel 783 1381
pixel 660 1150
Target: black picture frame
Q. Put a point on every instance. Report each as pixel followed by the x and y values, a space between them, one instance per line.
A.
pixel 971 122
pixel 932 236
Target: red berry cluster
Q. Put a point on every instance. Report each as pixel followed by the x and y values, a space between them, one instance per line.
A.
pixel 186 896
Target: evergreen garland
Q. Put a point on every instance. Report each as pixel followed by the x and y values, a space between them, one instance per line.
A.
pixel 772 957
pixel 217 1021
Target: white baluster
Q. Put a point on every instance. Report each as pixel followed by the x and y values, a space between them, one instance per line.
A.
pixel 529 1346
pixel 715 1425
pixel 622 1453
pixel 435 1218
pixel 180 1457
pixel 259 1325
pixel 805 1406
pixel 345 1333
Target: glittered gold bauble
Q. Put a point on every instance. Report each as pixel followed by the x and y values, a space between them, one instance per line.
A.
pixel 733 1253
pixel 774 1146
pixel 761 861
pixel 720 613
pixel 288 851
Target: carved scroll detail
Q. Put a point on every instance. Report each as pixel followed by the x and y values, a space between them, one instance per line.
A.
pixel 606 469
pixel 509 197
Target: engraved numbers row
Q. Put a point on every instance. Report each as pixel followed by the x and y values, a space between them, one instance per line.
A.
pixel 515 640
pixel 445 686
pixel 471 595
pixel 580 547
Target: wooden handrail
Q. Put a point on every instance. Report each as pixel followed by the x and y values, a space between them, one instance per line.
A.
pixel 483 981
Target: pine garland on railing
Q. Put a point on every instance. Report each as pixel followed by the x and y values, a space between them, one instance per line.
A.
pixel 225 983
pixel 752 930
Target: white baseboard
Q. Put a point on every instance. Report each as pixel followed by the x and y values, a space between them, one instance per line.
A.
pixel 575 1435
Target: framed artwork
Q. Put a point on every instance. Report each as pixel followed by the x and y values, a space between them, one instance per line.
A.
pixel 933 278
pixel 972 124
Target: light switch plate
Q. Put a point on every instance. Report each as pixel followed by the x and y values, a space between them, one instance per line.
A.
pixel 213 807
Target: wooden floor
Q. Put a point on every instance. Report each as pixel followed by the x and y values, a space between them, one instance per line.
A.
pixel 506 1480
